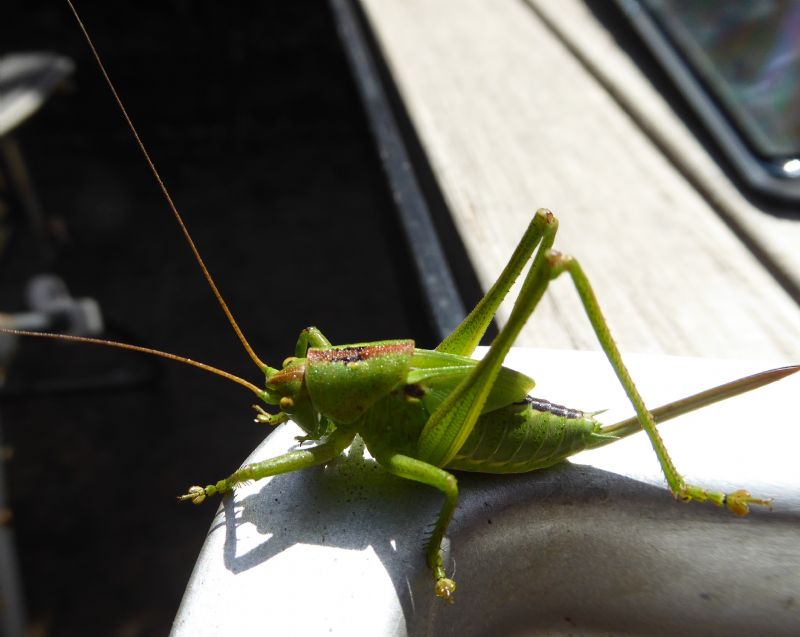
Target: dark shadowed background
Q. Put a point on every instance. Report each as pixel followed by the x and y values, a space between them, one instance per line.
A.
pixel 250 113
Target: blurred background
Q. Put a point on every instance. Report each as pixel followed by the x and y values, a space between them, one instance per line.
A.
pixel 251 115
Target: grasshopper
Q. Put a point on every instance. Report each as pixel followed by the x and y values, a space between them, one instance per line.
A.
pixel 425 413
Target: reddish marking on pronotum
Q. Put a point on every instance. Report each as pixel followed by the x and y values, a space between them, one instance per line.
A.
pixel 359 352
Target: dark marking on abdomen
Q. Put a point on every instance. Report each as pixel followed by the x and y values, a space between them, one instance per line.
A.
pixel 414 391
pixel 540 404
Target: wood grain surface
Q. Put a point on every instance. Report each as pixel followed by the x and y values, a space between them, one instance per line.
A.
pixel 518 107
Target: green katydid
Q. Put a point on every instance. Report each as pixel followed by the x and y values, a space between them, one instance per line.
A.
pixel 422 413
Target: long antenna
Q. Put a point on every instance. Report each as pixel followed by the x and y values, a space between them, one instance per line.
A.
pixel 168 197
pixel 136 348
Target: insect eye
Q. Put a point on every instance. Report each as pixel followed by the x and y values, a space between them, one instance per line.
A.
pixel 286 404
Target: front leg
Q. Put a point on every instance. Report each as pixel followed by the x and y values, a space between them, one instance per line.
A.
pixel 285 463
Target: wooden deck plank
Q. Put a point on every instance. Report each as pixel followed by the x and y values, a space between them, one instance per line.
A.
pixel 511 120
pixel 772 230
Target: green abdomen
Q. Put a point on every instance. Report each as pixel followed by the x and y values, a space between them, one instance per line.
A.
pixel 524 436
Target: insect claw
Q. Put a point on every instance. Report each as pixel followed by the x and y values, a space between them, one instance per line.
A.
pixel 265 417
pixel 445 588
pixel 739 502
pixel 196 494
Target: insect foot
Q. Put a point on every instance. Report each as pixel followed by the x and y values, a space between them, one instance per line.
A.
pixel 738 502
pixel 264 417
pixel 196 494
pixel 445 587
